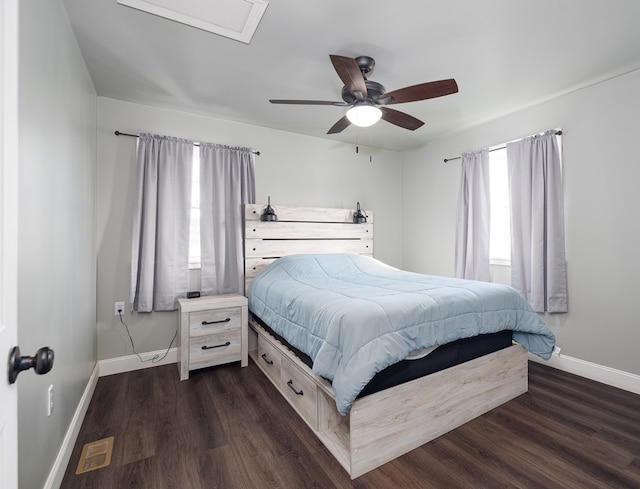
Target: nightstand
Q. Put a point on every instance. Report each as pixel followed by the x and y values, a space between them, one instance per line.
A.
pixel 212 331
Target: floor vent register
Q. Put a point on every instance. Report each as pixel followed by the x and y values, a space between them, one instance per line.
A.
pixel 95 455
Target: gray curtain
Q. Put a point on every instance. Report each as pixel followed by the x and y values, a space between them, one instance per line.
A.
pixel 227 181
pixel 473 217
pixel 538 267
pixel 162 207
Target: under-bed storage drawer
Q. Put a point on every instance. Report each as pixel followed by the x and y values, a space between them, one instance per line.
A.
pixel 300 390
pixel 296 382
pixel 269 359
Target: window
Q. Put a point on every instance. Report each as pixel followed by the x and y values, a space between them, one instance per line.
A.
pixel 500 234
pixel 500 230
pixel 194 230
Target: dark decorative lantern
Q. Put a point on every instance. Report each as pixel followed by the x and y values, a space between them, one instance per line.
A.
pixel 359 216
pixel 269 214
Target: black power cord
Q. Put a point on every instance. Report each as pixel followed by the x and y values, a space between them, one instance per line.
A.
pixel 156 358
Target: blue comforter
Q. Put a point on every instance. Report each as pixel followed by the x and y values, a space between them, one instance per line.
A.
pixel 354 315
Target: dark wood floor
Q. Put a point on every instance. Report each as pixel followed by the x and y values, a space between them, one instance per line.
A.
pixel 228 428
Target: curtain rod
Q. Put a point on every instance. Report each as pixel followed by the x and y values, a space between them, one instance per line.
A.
pixel 118 133
pixel 558 133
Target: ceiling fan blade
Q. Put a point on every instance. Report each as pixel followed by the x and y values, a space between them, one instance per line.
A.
pixel 401 119
pixel 308 102
pixel 339 126
pixel 422 91
pixel 350 74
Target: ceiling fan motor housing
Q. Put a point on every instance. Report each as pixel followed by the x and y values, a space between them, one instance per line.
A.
pixel 374 91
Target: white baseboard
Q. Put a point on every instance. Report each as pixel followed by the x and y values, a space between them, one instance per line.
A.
pixel 54 480
pixel 593 371
pixel 129 363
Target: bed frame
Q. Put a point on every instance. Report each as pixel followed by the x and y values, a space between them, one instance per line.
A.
pixel 387 424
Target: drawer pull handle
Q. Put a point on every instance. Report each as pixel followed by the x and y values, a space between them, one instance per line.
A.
pixel 205 347
pixel 264 357
pixel 298 393
pixel 206 323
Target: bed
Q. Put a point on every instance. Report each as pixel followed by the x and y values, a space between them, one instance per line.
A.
pixel 310 368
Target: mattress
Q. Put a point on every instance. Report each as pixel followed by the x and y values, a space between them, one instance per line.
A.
pixel 437 359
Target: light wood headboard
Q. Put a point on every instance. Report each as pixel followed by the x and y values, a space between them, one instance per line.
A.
pixel 301 230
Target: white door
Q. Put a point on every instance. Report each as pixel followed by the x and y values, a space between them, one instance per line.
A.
pixel 8 238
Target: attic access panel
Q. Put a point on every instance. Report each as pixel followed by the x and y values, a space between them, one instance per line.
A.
pixel 236 19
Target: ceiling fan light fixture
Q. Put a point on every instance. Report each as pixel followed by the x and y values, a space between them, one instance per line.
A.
pixel 364 115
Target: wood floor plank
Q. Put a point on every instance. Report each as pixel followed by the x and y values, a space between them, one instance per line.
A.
pixel 592 411
pixel 184 471
pixel 542 460
pixel 228 428
pixel 230 471
pixel 552 426
pixel 429 467
pixel 514 471
pixel 569 450
pixel 132 475
pixel 108 407
pixel 471 470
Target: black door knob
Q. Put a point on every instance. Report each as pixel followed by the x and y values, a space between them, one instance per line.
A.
pixel 41 362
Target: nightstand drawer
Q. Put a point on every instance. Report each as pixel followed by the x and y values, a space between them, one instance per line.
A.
pixel 301 392
pixel 222 347
pixel 269 359
pixel 210 321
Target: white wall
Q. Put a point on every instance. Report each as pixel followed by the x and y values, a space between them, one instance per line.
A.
pixel 56 265
pixel 600 126
pixel 292 169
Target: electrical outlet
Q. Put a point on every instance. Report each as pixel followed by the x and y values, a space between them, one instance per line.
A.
pixel 119 308
pixel 50 400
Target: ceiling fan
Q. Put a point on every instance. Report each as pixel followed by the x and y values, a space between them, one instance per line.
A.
pixel 368 99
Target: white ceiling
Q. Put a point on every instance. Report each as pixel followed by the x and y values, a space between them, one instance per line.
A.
pixel 504 54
